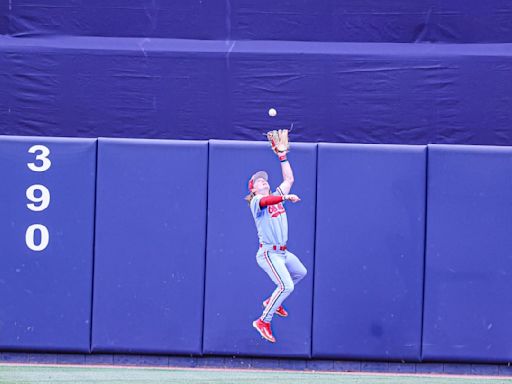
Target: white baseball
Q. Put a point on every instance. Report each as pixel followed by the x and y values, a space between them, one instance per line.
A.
pixel 272 112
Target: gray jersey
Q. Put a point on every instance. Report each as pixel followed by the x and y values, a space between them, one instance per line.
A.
pixel 271 221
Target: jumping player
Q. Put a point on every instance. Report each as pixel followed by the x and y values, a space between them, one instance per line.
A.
pixel 282 266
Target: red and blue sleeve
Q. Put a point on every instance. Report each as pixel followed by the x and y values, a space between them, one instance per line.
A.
pixel 270 200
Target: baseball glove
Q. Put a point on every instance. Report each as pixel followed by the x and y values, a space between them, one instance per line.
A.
pixel 279 141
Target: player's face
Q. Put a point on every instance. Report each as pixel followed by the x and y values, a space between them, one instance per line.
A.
pixel 262 187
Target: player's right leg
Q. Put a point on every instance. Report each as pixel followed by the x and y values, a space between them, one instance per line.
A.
pixel 273 263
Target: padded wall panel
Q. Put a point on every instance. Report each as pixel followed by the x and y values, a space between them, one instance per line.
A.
pixel 150 246
pixel 46 271
pixel 195 89
pixel 369 252
pixel 468 308
pixel 235 285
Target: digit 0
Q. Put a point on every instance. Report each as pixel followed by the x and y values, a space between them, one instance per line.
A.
pixel 42 157
pixel 30 234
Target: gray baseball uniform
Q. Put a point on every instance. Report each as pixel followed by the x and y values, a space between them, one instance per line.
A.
pixel 283 267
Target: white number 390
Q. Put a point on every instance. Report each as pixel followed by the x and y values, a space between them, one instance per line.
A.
pixel 39 196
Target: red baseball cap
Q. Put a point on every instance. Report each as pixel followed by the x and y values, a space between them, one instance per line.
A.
pixel 256 176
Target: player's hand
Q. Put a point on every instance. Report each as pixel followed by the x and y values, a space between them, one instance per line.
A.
pixel 279 142
pixel 292 198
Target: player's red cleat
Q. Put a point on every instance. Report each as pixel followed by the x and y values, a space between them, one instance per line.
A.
pixel 280 311
pixel 264 329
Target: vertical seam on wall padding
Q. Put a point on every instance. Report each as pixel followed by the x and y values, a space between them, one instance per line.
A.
pixel 424 251
pixel 205 242
pixel 93 243
pixel 314 258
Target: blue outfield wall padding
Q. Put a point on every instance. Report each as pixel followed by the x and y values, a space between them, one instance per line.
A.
pixel 369 252
pixel 197 89
pixel 150 246
pixel 467 313
pixel 235 285
pixel 447 21
pixel 46 243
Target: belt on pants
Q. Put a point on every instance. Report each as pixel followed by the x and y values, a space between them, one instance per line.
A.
pixel 275 247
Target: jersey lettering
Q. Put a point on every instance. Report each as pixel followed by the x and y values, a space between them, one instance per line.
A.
pixel 276 210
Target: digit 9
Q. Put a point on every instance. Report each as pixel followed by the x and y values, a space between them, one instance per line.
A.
pixel 43 199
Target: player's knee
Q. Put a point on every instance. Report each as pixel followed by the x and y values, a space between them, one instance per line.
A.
pixel 301 274
pixel 289 287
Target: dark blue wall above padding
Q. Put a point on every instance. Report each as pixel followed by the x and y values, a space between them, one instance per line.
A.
pixel 4 18
pixel 46 280
pixel 235 285
pixel 369 252
pixel 120 18
pixel 394 21
pixel 6 80
pixel 114 87
pixel 468 261
pixel 446 21
pixel 192 89
pixel 150 246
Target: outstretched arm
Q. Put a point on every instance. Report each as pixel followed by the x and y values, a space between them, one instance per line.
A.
pixel 272 200
pixel 287 183
pixel 279 142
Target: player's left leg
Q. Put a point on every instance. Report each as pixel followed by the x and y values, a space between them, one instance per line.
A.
pixel 297 270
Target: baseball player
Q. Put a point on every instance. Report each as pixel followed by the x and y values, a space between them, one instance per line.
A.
pixel 282 266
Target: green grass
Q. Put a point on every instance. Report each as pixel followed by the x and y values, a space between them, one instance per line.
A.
pixel 16 374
